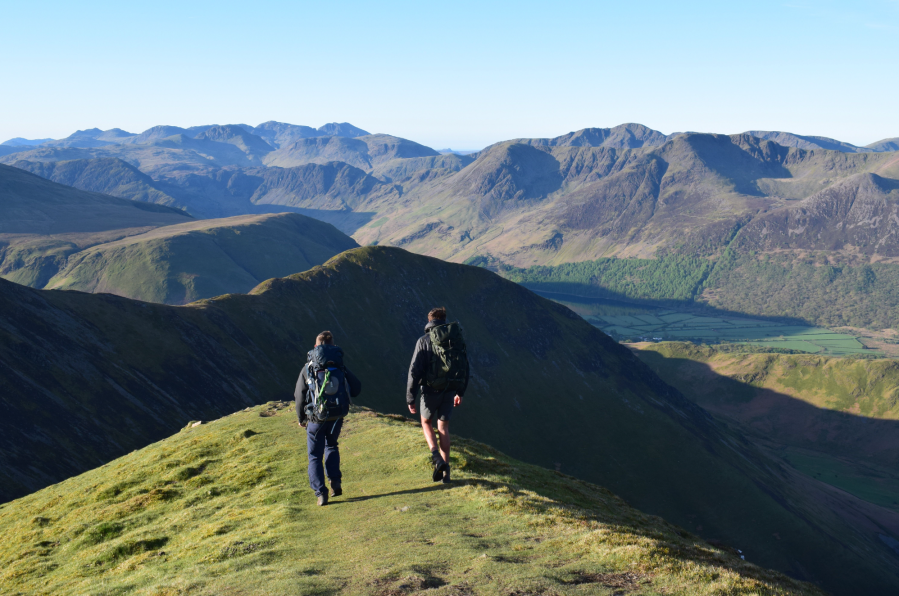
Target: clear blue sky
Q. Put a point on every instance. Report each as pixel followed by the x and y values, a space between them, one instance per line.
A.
pixel 453 74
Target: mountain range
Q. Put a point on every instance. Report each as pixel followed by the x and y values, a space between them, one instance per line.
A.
pixel 590 193
pixel 111 375
pixel 625 192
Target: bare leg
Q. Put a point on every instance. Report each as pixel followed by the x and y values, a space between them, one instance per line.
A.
pixel 443 429
pixel 429 434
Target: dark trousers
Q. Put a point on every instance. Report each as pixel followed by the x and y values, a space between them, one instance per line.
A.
pixel 321 439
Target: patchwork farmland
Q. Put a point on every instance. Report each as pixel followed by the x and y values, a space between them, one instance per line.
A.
pixel 678 326
pixel 631 322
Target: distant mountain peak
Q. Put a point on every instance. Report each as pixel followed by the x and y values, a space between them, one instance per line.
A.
pixel 342 129
pixel 884 145
pixel 789 139
pixel 88 132
pixel 20 142
pixel 630 135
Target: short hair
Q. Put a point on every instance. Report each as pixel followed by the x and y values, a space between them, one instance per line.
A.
pixel 325 337
pixel 437 314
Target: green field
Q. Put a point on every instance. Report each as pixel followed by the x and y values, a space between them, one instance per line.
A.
pixel 678 326
pixel 875 484
pixel 632 322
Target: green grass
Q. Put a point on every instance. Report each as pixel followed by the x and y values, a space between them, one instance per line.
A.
pixel 188 262
pixel 780 286
pixel 875 484
pixel 608 418
pixel 702 329
pixel 224 509
pixel 667 278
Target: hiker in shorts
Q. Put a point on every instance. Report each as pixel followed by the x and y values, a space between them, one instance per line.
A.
pixel 323 395
pixel 440 367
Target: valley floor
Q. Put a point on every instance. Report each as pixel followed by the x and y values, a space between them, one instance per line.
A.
pixel 640 322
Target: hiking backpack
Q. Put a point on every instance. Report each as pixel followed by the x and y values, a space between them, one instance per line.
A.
pixel 448 367
pixel 329 389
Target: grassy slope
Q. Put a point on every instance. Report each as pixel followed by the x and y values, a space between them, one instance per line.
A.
pixel 223 508
pixel 538 368
pixel 30 204
pixel 42 223
pixel 109 176
pixel 840 406
pixel 183 263
pixel 808 285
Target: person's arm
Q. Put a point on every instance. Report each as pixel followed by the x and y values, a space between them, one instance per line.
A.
pixel 299 394
pixel 355 383
pixel 417 369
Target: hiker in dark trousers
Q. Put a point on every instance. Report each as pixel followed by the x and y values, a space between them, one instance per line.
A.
pixel 440 367
pixel 323 395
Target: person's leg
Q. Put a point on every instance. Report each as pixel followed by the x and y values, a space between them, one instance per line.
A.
pixel 428 430
pixel 445 413
pixel 443 429
pixel 315 445
pixel 332 454
pixel 428 409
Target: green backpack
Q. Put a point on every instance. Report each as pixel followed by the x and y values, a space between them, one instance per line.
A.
pixel 448 368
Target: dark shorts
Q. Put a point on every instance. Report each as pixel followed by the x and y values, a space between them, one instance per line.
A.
pixel 437 405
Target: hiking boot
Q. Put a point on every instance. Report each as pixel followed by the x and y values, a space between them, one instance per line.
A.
pixel 336 491
pixel 323 499
pixel 440 468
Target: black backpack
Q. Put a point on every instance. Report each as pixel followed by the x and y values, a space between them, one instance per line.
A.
pixel 328 387
pixel 448 367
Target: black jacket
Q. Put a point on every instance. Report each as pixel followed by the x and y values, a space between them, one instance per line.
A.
pixel 301 392
pixel 421 357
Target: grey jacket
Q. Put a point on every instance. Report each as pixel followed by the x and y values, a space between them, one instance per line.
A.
pixel 421 357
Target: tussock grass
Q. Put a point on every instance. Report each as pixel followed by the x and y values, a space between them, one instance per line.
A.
pixel 225 508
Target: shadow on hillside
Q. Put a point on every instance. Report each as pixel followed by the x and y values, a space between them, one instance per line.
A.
pixel 778 417
pixel 411 491
pixel 345 221
pixel 687 306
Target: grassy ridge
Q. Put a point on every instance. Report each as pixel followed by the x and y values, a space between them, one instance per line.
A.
pixel 538 371
pixel 223 508
pixel 180 264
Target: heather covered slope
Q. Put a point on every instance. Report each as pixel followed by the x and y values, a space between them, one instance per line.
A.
pixel 30 204
pixel 110 176
pixel 859 214
pixel 182 263
pixel 524 203
pixel 152 367
pixel 42 222
pixel 222 508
